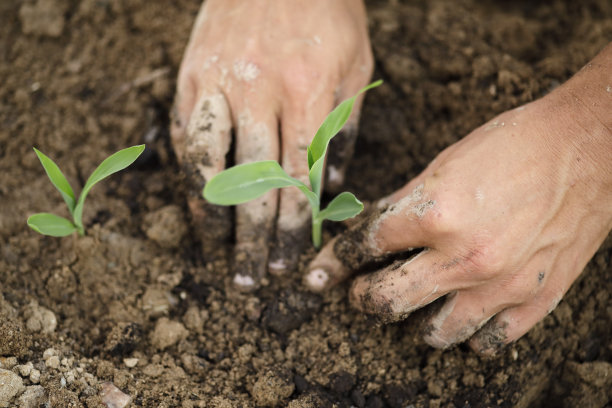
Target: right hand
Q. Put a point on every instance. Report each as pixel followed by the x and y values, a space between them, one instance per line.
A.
pixel 271 71
pixel 509 216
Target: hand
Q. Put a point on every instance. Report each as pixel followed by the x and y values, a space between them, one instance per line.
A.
pixel 508 216
pixel 271 71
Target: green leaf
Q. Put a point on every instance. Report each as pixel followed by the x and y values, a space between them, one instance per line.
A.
pixel 344 206
pixel 51 224
pixel 112 164
pixel 315 175
pixel 58 179
pixel 332 125
pixel 248 181
pixel 313 199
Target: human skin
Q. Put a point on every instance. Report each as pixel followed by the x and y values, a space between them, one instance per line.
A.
pixel 508 218
pixel 254 68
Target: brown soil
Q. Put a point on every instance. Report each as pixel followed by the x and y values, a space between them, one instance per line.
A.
pixel 80 80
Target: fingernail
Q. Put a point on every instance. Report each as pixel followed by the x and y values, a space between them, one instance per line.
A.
pixel 436 341
pixel 316 279
pixel 277 267
pixel 491 339
pixel 243 281
pixel 484 351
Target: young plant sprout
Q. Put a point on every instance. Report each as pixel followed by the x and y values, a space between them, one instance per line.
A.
pixel 56 226
pixel 248 181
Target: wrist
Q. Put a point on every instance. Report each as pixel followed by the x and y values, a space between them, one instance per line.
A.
pixel 582 110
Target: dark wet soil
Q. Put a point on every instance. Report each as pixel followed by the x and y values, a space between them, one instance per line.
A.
pixel 146 311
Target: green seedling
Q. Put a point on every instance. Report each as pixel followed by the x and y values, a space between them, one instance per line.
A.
pixel 248 181
pixel 56 226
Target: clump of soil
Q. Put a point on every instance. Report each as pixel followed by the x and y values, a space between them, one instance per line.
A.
pixel 129 313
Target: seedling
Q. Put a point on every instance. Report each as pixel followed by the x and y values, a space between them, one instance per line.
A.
pixel 56 226
pixel 248 181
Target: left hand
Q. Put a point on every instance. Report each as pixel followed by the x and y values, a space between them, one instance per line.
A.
pixel 271 71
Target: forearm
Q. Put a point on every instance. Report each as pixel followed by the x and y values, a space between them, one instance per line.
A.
pixel 592 87
pixel 585 102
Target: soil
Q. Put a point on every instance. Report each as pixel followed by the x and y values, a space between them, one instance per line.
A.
pixel 129 310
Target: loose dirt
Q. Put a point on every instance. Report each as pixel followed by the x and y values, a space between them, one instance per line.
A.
pixel 131 310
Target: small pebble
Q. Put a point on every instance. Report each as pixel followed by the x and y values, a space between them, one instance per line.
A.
pixel 166 226
pixel 52 362
pixel 156 302
pixel 167 333
pixel 272 387
pixel 40 319
pixel 113 397
pixel 8 362
pixel 25 369
pixel 253 308
pixel 130 362
pixel 12 386
pixel 193 319
pixel 70 376
pixel 33 397
pixel 35 376
pixel 49 352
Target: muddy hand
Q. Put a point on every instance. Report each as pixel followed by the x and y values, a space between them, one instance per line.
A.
pixel 509 217
pixel 271 71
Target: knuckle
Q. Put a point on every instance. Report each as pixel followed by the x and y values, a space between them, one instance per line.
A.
pixel 488 258
pixel 368 65
pixel 299 79
pixel 186 79
pixel 437 218
pixel 437 339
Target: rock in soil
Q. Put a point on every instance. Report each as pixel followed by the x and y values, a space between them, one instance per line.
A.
pixel 449 66
pixel 167 333
pixel 166 226
pixel 11 385
pixel 39 319
pixel 113 397
pixel 274 386
pixel 34 396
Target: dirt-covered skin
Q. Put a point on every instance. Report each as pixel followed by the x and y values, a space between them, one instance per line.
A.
pixel 153 316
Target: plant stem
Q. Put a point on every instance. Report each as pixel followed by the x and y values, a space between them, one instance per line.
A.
pixel 316 232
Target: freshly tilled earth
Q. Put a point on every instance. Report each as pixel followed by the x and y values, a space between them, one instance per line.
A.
pixel 133 313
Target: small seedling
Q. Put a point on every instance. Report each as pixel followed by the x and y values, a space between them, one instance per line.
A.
pixel 248 181
pixel 56 226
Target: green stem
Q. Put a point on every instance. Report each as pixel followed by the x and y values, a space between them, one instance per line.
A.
pixel 316 232
pixel 80 229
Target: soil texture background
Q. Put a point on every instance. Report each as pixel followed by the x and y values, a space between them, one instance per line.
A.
pixel 132 309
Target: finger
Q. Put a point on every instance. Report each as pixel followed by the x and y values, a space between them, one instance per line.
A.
pixel 299 123
pixel 462 314
pixel 342 146
pixel 513 323
pixel 184 102
pixel 394 228
pixel 394 292
pixel 326 270
pixel 206 142
pixel 257 140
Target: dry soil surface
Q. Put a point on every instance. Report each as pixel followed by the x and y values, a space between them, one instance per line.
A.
pixel 133 311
